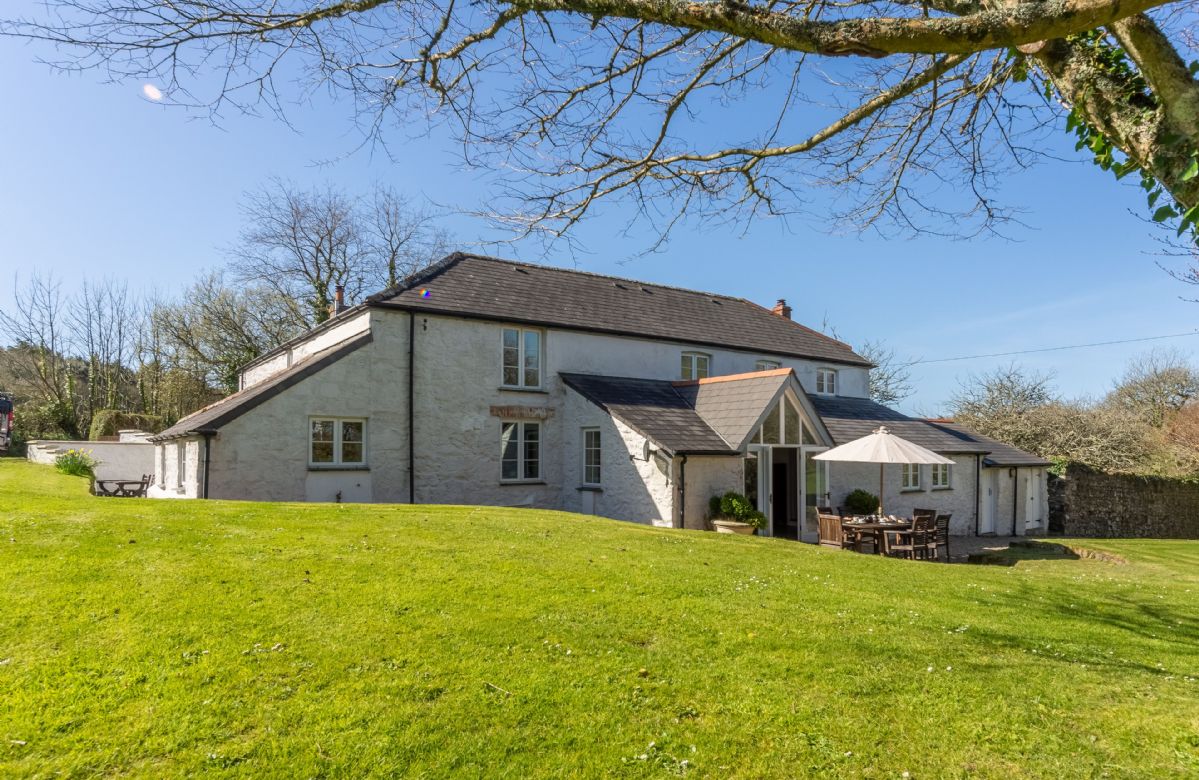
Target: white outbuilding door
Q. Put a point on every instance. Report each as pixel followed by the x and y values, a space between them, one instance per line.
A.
pixel 989 503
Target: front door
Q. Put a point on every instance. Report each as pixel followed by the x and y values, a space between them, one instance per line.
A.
pixel 989 503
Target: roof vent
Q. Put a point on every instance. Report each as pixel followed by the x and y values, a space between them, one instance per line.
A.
pixel 619 286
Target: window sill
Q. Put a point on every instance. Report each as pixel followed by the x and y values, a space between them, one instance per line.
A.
pixel 336 467
pixel 535 390
pixel 520 482
pixel 947 487
pixel 589 489
pixel 911 490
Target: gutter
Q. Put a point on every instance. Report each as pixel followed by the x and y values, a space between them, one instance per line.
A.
pixel 682 491
pixel 207 461
pixel 411 408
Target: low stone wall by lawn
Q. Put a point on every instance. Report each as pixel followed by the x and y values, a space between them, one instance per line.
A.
pixel 1089 503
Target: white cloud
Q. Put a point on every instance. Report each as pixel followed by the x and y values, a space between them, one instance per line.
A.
pixel 152 92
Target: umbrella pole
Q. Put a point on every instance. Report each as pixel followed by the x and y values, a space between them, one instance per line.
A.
pixel 880 489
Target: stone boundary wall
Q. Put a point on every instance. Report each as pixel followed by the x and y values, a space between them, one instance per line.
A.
pixel 1089 503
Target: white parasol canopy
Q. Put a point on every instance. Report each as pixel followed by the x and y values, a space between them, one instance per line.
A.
pixel 882 447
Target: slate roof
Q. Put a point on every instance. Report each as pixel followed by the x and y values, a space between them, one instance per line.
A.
pixel 212 417
pixel 654 408
pixel 733 405
pixel 852 418
pixel 490 288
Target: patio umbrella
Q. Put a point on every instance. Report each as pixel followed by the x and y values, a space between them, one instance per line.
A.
pixel 882 447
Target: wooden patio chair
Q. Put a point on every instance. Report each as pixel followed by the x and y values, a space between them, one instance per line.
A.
pixel 912 543
pixel 830 529
pixel 940 536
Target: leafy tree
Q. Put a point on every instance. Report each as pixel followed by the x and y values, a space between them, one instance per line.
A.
pixel 578 101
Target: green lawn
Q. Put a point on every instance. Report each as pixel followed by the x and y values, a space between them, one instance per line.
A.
pixel 159 638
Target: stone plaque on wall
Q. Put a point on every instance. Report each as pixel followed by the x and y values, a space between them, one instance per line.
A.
pixel 522 412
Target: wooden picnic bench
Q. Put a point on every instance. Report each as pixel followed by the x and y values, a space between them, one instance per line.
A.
pixel 124 488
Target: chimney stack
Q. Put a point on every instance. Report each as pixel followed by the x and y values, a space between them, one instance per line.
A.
pixel 782 309
pixel 339 299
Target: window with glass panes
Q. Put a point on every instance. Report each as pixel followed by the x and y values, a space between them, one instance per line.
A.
pixel 695 365
pixel 939 477
pixel 826 381
pixel 766 365
pixel 782 425
pixel 591 456
pixel 520 451
pixel 521 363
pixel 910 477
pixel 336 441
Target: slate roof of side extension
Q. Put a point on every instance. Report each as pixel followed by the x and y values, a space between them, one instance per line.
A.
pixel 852 418
pixel 654 408
pixel 490 288
pixel 212 417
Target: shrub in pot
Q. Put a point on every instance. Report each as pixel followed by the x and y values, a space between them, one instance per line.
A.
pixel 861 502
pixel 734 513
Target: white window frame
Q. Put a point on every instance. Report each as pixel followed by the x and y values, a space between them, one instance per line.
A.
pixel 936 471
pixel 338 461
pixel 522 427
pixel 520 359
pixel 162 467
pixel 693 359
pixel 599 451
pixel 826 381
pixel 906 472
pixel 767 365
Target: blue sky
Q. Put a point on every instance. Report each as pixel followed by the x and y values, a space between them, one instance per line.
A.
pixel 98 181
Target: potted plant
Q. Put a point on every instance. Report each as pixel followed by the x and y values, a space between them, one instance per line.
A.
pixel 861 502
pixel 733 513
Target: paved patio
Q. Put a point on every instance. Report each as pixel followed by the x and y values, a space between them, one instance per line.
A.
pixel 961 547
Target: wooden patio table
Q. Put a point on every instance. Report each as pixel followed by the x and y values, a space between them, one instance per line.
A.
pixel 877 529
pixel 124 488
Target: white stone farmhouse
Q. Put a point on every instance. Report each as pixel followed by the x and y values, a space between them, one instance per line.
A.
pixel 485 381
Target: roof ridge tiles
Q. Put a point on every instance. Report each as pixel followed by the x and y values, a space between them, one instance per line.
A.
pixel 731 377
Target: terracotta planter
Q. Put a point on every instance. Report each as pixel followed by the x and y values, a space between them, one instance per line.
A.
pixel 732 527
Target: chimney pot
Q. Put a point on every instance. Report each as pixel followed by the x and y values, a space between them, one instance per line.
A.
pixel 782 309
pixel 339 299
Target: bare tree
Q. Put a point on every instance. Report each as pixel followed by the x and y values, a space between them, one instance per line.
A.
pixel 890 380
pixel 37 325
pixel 104 323
pixel 1156 385
pixel 302 244
pixel 578 101
pixel 215 328
pixel 402 236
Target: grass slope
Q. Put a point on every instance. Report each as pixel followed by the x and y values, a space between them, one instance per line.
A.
pixel 159 638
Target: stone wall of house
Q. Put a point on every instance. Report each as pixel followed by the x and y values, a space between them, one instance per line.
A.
pixel 960 498
pixel 632 486
pixel 1089 503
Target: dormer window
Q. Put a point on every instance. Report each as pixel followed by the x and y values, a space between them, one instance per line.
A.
pixel 826 381
pixel 522 358
pixel 695 365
